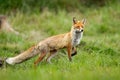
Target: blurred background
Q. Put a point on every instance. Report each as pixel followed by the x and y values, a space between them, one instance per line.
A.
pixel 98 55
pixel 8 6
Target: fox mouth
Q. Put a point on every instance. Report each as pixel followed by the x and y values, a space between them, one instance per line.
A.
pixel 79 31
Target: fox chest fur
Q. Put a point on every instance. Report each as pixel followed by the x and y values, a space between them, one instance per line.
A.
pixel 76 38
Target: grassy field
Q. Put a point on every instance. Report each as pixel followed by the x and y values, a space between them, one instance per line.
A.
pixel 98 55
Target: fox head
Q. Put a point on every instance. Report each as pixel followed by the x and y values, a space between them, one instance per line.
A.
pixel 78 25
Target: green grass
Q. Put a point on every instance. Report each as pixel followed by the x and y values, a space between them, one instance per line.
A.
pixel 98 55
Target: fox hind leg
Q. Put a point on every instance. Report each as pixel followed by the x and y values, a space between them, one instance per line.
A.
pixel 51 55
pixel 42 55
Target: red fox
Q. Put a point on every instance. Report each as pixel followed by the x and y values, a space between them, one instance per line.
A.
pixel 52 44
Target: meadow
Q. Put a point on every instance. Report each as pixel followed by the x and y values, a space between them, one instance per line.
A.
pixel 98 55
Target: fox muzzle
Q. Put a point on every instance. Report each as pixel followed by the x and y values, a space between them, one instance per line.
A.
pixel 79 31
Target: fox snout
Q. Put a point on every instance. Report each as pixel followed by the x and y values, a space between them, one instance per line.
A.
pixel 79 31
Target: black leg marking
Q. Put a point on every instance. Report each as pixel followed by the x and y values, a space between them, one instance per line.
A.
pixel 73 54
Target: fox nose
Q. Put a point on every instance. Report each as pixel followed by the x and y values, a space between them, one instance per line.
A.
pixel 79 31
pixel 82 30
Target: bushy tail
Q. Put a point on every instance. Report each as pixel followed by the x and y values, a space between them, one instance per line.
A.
pixel 31 52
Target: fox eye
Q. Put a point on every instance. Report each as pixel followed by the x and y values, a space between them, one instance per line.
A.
pixel 76 27
pixel 82 26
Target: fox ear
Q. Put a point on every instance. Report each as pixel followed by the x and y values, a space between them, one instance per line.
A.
pixel 74 20
pixel 84 21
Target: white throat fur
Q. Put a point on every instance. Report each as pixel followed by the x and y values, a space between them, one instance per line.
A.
pixel 76 38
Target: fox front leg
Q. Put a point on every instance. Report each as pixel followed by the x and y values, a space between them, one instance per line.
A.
pixel 74 51
pixel 69 50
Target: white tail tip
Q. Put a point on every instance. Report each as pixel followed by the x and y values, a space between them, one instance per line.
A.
pixel 10 61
